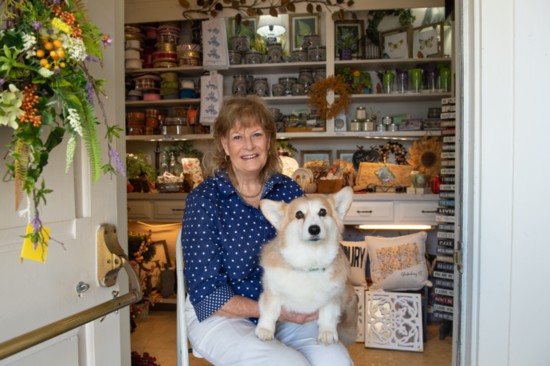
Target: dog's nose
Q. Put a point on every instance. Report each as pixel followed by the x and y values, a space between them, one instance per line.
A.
pixel 314 229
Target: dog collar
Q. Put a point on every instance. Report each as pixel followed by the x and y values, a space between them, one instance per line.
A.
pixel 316 269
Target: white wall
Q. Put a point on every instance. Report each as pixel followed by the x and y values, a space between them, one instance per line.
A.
pixel 506 199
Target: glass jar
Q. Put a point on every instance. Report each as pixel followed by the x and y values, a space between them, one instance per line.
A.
pixel 305 76
pixel 355 125
pixel 287 83
pixel 317 53
pixel 261 87
pixel 239 86
pixel 275 53
pixel 361 113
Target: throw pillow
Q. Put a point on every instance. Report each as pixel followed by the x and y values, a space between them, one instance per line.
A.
pixel 356 251
pixel 398 263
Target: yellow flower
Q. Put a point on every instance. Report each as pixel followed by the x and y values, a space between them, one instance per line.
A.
pixel 356 73
pixel 61 25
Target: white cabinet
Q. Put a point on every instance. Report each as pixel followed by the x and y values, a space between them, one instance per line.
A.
pixel 140 209
pixel 156 206
pixel 415 212
pixel 169 210
pixel 389 208
pixel 370 211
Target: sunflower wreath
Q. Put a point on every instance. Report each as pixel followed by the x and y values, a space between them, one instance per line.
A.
pixel 425 155
pixel 318 96
pixel 394 148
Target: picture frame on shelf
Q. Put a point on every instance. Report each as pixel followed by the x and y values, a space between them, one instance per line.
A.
pixel 355 28
pixel 396 43
pixel 345 155
pixel 427 40
pixel 320 155
pixel 246 27
pixel 300 26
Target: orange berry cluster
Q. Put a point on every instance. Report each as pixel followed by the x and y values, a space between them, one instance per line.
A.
pixel 30 100
pixel 69 19
pixel 51 54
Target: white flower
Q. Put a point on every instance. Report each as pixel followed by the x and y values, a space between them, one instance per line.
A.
pixel 76 49
pixel 10 103
pixel 74 121
pixel 29 41
pixel 45 72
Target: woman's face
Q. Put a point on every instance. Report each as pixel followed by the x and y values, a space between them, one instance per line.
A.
pixel 248 149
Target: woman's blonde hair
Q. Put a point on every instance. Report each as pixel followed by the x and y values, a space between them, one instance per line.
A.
pixel 244 112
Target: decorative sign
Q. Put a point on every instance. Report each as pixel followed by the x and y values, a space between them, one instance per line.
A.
pixel 214 45
pixel 393 321
pixel 211 97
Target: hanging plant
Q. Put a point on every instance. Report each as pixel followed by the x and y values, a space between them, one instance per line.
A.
pixel 253 8
pixel 374 17
pixel 47 95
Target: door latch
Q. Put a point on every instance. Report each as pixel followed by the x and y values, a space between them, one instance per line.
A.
pixel 110 256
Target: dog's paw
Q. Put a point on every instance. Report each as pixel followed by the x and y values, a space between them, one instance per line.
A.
pixel 327 337
pixel 264 334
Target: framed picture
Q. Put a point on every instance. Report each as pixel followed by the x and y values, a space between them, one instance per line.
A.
pixel 300 26
pixel 427 41
pixel 345 155
pixel 247 27
pixel 354 30
pixel 396 43
pixel 319 155
pixel 161 258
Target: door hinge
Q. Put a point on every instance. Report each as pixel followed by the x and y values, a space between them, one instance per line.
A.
pixel 457 256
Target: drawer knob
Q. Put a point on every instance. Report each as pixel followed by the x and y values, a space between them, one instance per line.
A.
pixel 364 211
pixel 177 209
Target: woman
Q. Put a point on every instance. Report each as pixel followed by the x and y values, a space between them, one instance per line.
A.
pixel 223 232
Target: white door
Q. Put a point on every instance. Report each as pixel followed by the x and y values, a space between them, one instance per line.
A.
pixel 36 294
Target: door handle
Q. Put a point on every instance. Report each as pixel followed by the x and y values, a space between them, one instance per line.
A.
pixel 111 258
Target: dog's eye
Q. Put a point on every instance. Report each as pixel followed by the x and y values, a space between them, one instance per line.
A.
pixel 299 215
pixel 322 212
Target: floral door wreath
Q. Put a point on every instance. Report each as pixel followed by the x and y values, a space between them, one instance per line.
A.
pixel 318 96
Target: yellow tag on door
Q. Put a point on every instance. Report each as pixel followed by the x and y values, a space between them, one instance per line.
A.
pixel 38 253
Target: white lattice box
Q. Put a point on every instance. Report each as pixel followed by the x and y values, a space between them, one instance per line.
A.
pixel 393 320
pixel 360 292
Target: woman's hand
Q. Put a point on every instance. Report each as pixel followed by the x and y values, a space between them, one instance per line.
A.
pixel 298 318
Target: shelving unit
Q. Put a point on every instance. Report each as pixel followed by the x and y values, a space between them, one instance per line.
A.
pixel 385 104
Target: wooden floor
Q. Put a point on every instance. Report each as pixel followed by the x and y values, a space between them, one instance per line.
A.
pixel 156 334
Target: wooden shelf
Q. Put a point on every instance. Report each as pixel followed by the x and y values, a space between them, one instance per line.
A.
pixel 406 135
pixel 163 102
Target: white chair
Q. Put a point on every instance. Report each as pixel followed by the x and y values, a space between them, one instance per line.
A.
pixel 183 350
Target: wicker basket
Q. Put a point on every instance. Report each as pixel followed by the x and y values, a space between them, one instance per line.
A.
pixel 367 175
pixel 329 185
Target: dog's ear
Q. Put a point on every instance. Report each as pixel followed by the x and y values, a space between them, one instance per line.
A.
pixel 342 201
pixel 274 211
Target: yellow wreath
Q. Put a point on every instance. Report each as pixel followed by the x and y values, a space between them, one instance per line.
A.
pixel 318 96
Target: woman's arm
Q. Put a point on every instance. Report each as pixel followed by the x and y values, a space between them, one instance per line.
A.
pixel 243 307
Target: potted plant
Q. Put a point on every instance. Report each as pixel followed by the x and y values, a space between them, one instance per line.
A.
pixel 139 172
pixel 346 44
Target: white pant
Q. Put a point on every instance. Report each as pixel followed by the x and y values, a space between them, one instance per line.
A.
pixel 231 342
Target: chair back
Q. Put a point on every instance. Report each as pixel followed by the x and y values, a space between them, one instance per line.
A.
pixel 182 348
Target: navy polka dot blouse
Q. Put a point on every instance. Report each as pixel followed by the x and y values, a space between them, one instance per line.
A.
pixel 222 237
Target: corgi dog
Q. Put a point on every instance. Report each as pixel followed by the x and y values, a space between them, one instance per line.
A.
pixel 305 269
